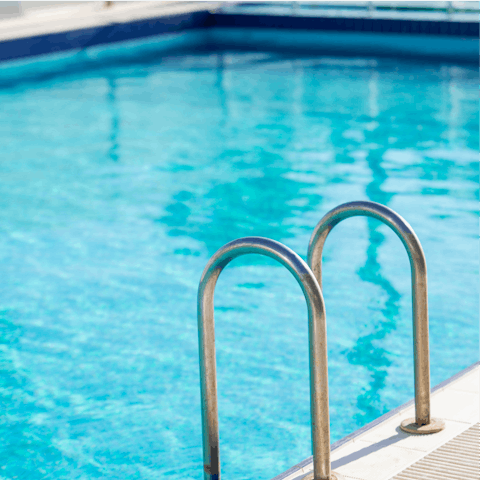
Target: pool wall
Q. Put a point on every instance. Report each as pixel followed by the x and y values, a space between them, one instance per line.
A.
pixel 431 38
pixel 342 24
pixel 101 35
pixel 398 45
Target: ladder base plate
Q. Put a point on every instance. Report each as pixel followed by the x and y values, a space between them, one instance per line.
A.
pixel 435 425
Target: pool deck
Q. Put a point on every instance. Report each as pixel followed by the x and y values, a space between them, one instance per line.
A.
pixel 50 19
pixel 381 451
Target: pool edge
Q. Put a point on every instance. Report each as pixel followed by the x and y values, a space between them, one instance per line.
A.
pixel 105 27
pixel 377 421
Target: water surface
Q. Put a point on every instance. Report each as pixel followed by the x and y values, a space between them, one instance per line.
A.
pixel 117 184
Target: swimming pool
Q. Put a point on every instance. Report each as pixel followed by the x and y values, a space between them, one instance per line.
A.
pixel 117 184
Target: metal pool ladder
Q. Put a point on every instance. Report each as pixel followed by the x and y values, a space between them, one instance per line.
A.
pixel 310 281
pixel 422 423
pixel 320 418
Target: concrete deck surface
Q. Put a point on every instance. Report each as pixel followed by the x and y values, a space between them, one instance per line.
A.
pixel 384 451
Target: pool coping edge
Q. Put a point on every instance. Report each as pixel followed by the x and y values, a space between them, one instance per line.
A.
pixel 377 421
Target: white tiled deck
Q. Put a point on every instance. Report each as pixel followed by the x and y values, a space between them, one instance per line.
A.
pixel 383 450
pixel 77 16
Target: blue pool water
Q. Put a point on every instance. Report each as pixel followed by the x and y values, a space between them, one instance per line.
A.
pixel 118 182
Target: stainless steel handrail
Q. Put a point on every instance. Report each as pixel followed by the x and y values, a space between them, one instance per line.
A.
pixel 422 423
pixel 317 342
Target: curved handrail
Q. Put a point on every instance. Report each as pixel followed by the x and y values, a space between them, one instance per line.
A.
pixel 317 340
pixel 419 285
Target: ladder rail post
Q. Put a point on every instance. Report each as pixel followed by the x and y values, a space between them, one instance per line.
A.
pixel 320 419
pixel 419 291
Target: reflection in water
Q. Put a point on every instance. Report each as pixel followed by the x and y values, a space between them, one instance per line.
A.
pixel 368 351
pixel 260 193
pixel 221 89
pixel 257 197
pixel 111 96
pixel 259 189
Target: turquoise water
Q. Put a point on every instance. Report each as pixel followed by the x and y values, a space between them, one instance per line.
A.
pixel 117 183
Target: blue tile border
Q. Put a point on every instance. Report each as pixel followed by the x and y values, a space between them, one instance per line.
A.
pixel 118 32
pixel 112 33
pixel 436 48
pixel 422 27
